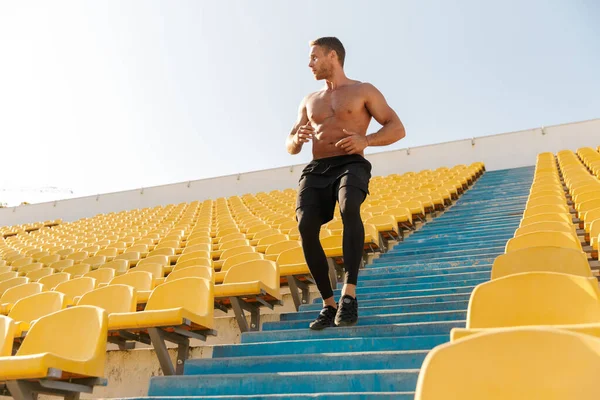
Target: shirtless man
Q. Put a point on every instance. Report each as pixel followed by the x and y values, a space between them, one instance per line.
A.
pixel 335 119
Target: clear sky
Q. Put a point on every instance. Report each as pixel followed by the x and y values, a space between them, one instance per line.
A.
pixel 99 96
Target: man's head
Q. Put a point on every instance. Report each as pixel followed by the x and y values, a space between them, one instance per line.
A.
pixel 326 55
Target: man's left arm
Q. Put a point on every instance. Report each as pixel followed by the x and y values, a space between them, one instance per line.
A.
pixel 392 128
pixel 391 131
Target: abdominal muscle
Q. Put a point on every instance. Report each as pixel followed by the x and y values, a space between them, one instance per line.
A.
pixel 327 135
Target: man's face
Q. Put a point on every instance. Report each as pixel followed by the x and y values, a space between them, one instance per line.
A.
pixel 320 63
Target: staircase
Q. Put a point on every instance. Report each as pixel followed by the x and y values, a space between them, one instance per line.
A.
pixel 409 300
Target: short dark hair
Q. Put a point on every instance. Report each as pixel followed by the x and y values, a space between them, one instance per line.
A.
pixel 331 43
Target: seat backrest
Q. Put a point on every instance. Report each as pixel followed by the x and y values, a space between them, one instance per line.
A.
pixel 157 270
pixel 292 256
pixel 193 255
pixel 37 305
pixel 265 271
pixel 62 264
pixel 547 217
pixel 239 259
pixel 542 239
pixel 160 260
pixel 102 275
pixel 112 298
pixel 120 266
pixel 517 364
pixel 76 287
pixel 8 275
pixel 278 248
pixel 140 280
pixel 34 276
pixel 233 243
pixel 534 298
pixel 546 200
pixel 129 256
pixel 193 294
pixel 16 293
pixel 51 281
pixel 78 270
pixel 544 209
pixel 194 272
pixel 7 335
pixel 546 226
pixel 193 262
pixel 235 251
pixel 331 241
pixel 264 233
pixel 109 252
pixel 542 259
pixel 197 247
pixel 78 333
pixel 167 251
pixel 21 262
pixel 9 283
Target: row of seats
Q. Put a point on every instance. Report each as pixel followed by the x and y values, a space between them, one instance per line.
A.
pixel 159 273
pixel 537 320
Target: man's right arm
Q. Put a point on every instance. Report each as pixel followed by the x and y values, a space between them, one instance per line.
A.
pixel 302 131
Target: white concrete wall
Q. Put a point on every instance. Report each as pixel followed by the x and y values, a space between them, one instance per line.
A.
pixel 507 150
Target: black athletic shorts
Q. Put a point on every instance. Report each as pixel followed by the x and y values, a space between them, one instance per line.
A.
pixel 321 180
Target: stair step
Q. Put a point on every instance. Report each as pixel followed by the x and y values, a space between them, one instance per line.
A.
pixel 384 319
pixel 398 301
pixel 330 345
pixel 383 309
pixel 364 361
pixel 295 396
pixel 368 274
pixel 286 382
pixel 409 329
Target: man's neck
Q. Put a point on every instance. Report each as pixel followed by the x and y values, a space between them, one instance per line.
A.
pixel 337 79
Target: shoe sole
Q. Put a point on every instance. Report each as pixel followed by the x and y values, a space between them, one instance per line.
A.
pixel 320 328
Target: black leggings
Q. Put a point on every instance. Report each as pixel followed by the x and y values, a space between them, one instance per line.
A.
pixel 309 224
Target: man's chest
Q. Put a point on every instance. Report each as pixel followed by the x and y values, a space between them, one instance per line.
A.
pixel 340 105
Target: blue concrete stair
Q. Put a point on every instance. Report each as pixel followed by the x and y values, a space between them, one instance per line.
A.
pixel 409 299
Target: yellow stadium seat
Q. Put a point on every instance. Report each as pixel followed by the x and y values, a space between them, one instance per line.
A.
pixel 25 269
pixel 78 270
pixel 8 275
pixel 109 253
pixel 273 251
pixel 253 282
pixel 47 260
pixel 193 263
pixel 230 253
pixel 542 259
pixel 62 264
pixel 141 281
pixel 157 271
pixel 16 293
pixel 192 272
pixel 294 270
pixel 102 276
pixel 30 308
pixel 95 261
pixel 5 268
pixel 553 208
pixel 7 334
pixel 112 299
pixel 120 266
pixel 75 288
pixel 78 256
pixel 522 363
pixel 168 252
pixel 183 307
pixel 21 262
pixel 547 217
pixel 387 227
pixel 234 260
pixel 75 350
pixel 142 249
pixel 65 252
pixel 547 226
pixel 229 245
pixel 266 241
pixel 132 258
pixel 416 208
pixel 51 281
pixel 193 255
pixel 9 283
pixel 532 298
pixel 34 276
pixel 537 239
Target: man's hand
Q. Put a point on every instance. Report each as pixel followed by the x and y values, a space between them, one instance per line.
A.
pixel 353 144
pixel 304 134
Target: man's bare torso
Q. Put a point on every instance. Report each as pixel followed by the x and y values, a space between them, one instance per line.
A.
pixel 331 111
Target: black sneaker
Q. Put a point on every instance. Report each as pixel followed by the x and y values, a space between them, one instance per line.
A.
pixel 324 320
pixel 347 312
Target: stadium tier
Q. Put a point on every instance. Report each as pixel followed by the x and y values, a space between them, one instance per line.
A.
pixel 156 276
pixel 469 278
